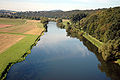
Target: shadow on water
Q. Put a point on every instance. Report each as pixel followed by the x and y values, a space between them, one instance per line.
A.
pixel 111 70
pixel 46 28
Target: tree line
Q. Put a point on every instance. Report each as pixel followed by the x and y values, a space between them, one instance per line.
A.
pixel 36 15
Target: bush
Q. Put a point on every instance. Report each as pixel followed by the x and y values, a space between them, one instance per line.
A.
pixel 110 50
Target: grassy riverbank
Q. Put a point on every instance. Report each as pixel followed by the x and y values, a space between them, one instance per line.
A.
pixel 65 21
pixel 16 52
pixel 94 41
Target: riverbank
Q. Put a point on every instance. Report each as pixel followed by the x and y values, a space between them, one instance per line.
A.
pixel 93 40
pixel 18 51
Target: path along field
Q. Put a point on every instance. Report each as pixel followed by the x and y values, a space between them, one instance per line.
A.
pixel 16 39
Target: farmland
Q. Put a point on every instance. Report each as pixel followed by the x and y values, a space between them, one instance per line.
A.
pixel 8 40
pixel 16 38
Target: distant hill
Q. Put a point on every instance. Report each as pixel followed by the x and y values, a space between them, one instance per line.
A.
pixel 56 10
pixel 38 14
pixel 104 25
pixel 6 11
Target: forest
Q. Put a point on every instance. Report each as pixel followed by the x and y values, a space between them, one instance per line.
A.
pixel 103 25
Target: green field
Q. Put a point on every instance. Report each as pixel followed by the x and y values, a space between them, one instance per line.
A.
pixel 94 41
pixel 12 21
pixel 19 25
pixel 15 52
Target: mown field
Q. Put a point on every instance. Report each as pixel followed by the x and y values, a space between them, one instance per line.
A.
pixel 16 39
pixel 12 21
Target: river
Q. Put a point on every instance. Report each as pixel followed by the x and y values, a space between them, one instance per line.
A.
pixel 62 56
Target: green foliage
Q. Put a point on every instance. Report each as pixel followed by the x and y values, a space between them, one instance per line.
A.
pixel 59 21
pixel 38 14
pixel 60 24
pixel 104 25
pixel 45 21
pixel 110 50
pixel 77 17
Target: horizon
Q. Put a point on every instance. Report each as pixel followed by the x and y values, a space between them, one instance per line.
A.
pixel 59 9
pixel 46 5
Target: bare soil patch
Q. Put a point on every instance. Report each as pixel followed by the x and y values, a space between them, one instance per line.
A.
pixel 4 25
pixel 33 21
pixel 65 20
pixel 7 40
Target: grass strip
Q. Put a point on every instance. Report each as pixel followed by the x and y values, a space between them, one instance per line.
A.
pixel 93 40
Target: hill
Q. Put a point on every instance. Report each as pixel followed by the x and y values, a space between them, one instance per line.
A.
pixel 103 25
pixel 38 14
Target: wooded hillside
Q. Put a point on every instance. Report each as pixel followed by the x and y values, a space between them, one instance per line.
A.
pixel 104 25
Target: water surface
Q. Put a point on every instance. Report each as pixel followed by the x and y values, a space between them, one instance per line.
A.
pixel 58 56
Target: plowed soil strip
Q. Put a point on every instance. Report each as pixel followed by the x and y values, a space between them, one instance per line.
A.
pixel 7 40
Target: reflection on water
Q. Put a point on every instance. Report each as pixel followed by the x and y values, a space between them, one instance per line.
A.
pixel 46 28
pixel 111 70
pixel 61 57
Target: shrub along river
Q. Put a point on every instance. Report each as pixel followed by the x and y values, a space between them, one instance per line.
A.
pixel 63 56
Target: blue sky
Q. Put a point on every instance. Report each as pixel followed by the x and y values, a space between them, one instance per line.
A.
pixel 39 5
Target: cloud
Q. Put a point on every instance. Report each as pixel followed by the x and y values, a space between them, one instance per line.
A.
pixel 95 1
pixel 38 5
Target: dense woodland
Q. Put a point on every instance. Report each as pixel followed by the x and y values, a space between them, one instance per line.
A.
pixel 103 25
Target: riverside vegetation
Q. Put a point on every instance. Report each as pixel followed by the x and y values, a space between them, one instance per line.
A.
pixel 27 32
pixel 102 28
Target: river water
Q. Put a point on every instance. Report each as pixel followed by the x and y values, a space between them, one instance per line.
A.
pixel 62 56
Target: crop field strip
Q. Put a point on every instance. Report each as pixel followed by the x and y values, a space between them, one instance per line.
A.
pixel 12 34
pixel 7 40
pixel 4 26
pixel 16 39
pixel 12 21
pixel 19 28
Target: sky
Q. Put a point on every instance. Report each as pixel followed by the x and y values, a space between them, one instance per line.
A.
pixel 65 5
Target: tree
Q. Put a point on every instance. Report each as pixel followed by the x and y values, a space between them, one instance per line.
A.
pixel 77 17
pixel 59 20
pixel 45 21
